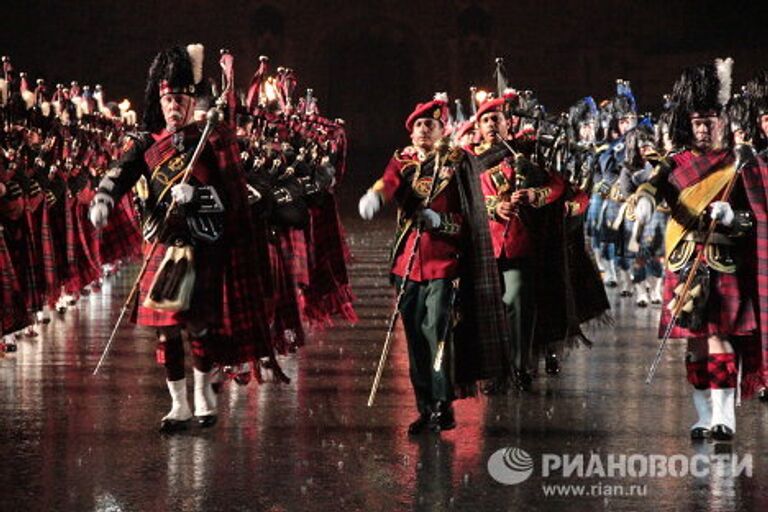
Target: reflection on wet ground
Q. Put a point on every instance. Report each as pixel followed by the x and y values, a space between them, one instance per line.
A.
pixel 71 441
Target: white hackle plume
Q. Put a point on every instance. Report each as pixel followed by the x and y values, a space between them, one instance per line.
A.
pixel 724 69
pixel 441 96
pixel 195 52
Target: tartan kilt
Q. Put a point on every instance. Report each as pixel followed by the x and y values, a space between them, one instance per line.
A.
pixel 13 313
pixel 121 238
pixel 294 250
pixel 33 259
pixel 730 308
pixel 48 251
pixel 208 294
pixel 19 243
pixel 286 314
pixel 653 234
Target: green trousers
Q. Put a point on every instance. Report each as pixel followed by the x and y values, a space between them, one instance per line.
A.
pixel 426 315
pixel 517 299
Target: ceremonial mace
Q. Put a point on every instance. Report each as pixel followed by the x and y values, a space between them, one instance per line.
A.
pixel 441 146
pixel 744 155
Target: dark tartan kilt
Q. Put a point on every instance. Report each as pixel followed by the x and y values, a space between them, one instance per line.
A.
pixel 35 230
pixel 48 252
pixel 58 234
pixel 21 250
pixel 730 307
pixel 207 303
pixel 294 250
pixel 87 267
pixel 653 234
pixel 121 237
pixel 287 314
pixel 13 314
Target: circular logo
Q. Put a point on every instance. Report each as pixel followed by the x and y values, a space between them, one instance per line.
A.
pixel 510 466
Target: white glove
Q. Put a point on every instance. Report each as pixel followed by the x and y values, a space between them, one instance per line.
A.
pixel 98 213
pixel 369 205
pixel 722 212
pixel 643 210
pixel 182 193
pixel 430 219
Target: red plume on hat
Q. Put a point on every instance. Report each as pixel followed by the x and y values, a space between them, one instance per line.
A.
pixel 436 109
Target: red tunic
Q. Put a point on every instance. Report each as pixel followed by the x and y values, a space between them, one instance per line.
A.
pixel 438 251
pixel 511 238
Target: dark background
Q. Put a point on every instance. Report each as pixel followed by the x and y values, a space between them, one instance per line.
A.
pixel 370 62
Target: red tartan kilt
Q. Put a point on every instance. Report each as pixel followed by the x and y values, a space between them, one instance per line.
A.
pixel 730 307
pixel 207 303
pixel 121 237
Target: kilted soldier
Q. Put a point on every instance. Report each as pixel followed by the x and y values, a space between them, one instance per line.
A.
pixel 454 247
pixel 200 278
pixel 756 129
pixel 718 316
pixel 611 218
pixel 643 244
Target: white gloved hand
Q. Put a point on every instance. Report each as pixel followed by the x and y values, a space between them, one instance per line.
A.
pixel 183 193
pixel 98 213
pixel 430 219
pixel 722 212
pixel 369 205
pixel 643 210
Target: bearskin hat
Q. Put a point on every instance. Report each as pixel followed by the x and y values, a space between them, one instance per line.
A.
pixel 174 70
pixel 643 134
pixel 757 90
pixel 741 116
pixel 583 111
pixel 624 103
pixel 704 88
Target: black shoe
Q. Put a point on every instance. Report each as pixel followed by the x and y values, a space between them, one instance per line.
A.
pixel 722 433
pixel 762 395
pixel 169 426
pixel 206 421
pixel 421 424
pixel 552 364
pixel 699 433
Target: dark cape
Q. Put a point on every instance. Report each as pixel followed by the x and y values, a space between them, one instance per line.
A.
pixel 482 333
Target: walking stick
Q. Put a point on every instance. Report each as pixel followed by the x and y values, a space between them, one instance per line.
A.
pixel 401 292
pixel 212 118
pixel 741 160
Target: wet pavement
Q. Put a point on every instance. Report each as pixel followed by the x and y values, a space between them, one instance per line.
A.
pixel 71 441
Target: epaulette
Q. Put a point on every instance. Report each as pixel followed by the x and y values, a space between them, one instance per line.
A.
pixel 402 155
